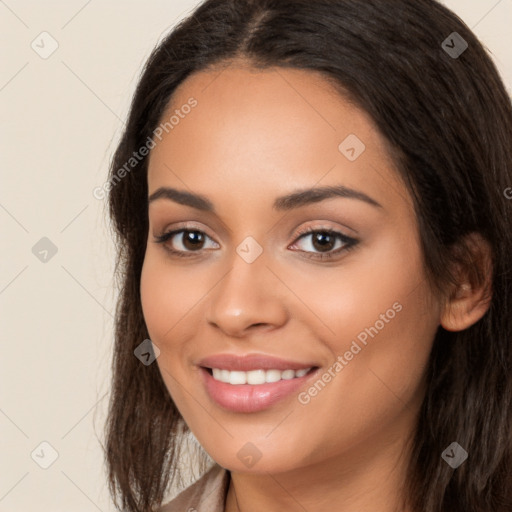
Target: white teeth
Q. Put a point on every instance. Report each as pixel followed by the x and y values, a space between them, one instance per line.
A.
pixel 273 375
pixel 237 377
pixel 288 374
pixel 256 377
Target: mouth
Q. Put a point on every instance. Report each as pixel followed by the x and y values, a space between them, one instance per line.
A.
pixel 255 390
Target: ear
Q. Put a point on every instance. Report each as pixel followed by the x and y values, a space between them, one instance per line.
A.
pixel 469 300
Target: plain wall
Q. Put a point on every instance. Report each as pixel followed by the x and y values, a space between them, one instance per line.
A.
pixel 61 118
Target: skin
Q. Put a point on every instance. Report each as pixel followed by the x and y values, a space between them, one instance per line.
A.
pixel 253 136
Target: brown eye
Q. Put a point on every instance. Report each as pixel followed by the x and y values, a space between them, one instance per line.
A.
pixel 192 240
pixel 323 241
pixel 183 241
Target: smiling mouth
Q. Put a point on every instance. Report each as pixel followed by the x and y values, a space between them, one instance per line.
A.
pixel 256 389
pixel 258 376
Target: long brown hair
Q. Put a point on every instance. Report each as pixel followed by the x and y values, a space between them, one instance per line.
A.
pixel 448 119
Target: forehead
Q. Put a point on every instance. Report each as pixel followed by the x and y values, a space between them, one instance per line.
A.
pixel 267 129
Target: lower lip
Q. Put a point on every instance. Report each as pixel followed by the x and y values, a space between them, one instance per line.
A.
pixel 251 397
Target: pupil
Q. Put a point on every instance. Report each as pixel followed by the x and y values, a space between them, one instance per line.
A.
pixel 324 240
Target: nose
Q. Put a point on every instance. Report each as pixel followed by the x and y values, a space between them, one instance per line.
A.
pixel 248 298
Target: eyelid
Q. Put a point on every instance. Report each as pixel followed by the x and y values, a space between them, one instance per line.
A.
pixel 323 226
pixel 187 226
pixel 329 227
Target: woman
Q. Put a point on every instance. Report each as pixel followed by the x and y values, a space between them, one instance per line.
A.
pixel 314 233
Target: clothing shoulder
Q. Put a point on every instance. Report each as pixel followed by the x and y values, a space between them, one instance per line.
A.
pixel 208 494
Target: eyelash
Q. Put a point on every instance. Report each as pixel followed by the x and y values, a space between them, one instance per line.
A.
pixel 349 242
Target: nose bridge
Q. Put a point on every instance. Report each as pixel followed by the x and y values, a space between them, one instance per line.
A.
pixel 247 294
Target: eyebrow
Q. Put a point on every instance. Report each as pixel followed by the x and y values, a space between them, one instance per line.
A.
pixel 288 202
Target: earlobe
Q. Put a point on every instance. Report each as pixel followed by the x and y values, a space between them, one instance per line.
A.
pixel 471 298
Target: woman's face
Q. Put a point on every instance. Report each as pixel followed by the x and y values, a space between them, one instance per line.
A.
pixel 301 245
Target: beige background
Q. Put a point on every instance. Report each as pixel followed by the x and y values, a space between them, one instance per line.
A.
pixel 61 118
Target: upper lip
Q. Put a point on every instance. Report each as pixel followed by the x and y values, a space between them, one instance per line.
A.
pixel 250 362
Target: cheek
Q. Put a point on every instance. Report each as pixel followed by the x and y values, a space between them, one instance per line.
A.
pixel 168 296
pixel 377 313
pixel 382 321
pixel 156 293
pixel 348 299
pixel 380 376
